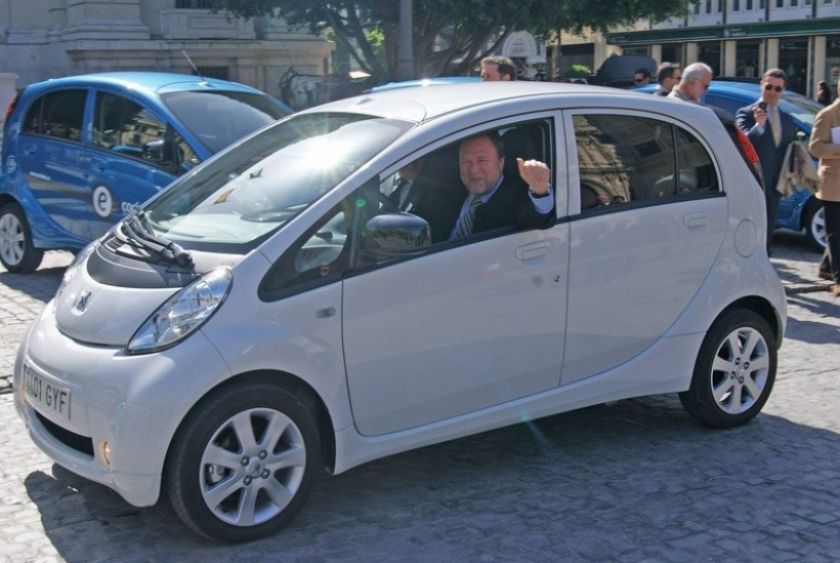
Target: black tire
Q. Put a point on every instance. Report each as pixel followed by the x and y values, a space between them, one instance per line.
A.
pixel 16 251
pixel 194 483
pixel 814 224
pixel 743 378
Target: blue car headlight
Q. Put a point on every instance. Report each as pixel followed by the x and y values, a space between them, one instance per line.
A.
pixel 183 313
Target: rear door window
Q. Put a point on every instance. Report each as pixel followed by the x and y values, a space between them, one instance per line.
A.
pixel 628 159
pixel 57 114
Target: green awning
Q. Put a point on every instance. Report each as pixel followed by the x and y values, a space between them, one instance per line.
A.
pixel 822 26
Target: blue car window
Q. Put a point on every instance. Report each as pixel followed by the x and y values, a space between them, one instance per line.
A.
pixel 124 126
pixel 57 114
pixel 220 118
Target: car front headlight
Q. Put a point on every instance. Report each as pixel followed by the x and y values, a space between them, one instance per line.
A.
pixel 183 313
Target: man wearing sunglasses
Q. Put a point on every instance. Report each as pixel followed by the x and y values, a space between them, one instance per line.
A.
pixel 771 131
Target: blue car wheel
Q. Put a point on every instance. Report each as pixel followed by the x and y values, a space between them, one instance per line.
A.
pixel 813 221
pixel 16 251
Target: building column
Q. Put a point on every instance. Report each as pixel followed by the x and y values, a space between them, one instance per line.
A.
pixel 730 58
pixel 656 53
pixel 819 46
pixel 771 53
pixel 692 54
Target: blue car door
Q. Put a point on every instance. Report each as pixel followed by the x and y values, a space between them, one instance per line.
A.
pixel 51 157
pixel 134 153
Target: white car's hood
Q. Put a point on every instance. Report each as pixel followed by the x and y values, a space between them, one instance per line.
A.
pixel 106 315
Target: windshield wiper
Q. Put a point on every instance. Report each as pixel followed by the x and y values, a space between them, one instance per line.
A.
pixel 141 234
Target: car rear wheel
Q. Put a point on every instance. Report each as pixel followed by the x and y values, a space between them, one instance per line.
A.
pixel 813 221
pixel 735 371
pixel 16 251
pixel 242 464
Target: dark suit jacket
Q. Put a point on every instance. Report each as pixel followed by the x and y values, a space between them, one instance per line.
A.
pixel 770 155
pixel 510 206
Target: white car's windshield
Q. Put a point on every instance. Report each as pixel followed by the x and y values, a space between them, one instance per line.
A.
pixel 262 183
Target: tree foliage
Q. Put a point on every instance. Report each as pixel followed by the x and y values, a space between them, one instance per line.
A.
pixel 450 36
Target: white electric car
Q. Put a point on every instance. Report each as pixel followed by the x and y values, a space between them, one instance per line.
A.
pixel 277 312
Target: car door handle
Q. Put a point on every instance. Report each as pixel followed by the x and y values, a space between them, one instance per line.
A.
pixel 325 313
pixel 533 250
pixel 696 220
pixel 28 150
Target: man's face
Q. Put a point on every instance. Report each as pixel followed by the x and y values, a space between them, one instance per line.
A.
pixel 640 78
pixel 669 83
pixel 696 87
pixel 490 73
pixel 772 89
pixel 481 166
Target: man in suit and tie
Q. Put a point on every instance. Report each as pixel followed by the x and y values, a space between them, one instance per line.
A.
pixel 770 131
pixel 406 191
pixel 494 201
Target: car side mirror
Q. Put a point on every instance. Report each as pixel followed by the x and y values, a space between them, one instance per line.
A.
pixel 153 150
pixel 395 235
pixel 800 135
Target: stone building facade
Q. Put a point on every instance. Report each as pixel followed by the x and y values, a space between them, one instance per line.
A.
pixel 41 39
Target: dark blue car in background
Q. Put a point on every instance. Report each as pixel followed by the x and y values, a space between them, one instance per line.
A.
pixel 800 210
pixel 79 153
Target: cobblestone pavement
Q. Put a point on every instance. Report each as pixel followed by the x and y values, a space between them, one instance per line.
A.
pixel 633 481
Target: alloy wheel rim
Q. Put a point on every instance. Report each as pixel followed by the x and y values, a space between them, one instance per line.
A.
pixel 11 239
pixel 739 370
pixel 252 467
pixel 818 227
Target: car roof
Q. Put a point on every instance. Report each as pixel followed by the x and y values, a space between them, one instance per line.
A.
pixel 421 104
pixel 436 81
pixel 157 82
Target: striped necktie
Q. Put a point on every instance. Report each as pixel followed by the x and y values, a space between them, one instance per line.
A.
pixel 465 223
pixel 775 126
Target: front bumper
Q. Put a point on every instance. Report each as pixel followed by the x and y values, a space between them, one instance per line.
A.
pixel 133 403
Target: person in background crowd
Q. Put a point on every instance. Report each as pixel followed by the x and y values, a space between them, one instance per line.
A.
pixel 825 145
pixel 495 69
pixel 693 84
pixel 823 93
pixel 771 131
pixel 668 75
pixel 641 76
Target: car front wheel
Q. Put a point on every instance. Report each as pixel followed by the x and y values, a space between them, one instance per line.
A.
pixel 17 253
pixel 734 372
pixel 241 466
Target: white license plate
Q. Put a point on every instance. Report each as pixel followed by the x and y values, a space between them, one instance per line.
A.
pixel 46 394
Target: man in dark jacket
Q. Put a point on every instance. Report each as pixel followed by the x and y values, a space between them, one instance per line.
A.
pixel 494 201
pixel 668 75
pixel 771 131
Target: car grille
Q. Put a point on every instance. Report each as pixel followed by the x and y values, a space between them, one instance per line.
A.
pixel 80 443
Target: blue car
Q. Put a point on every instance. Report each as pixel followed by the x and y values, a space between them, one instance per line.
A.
pixel 800 210
pixel 79 153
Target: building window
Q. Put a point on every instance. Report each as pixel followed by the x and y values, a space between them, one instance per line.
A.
pixel 193 4
pixel 749 5
pixel 794 3
pixel 780 3
pixel 708 6
pixel 720 6
pixel 736 5
pixel 220 72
